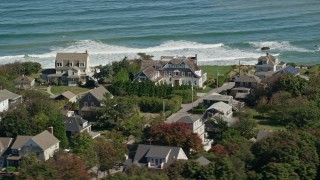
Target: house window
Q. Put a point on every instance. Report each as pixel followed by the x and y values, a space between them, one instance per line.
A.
pixel 85 103
pixel 92 104
pixel 59 64
pixel 177 73
pixel 189 74
pixel 165 73
pixel 81 64
pixel 61 71
pixel 73 73
pixel 170 73
pixel 182 73
pixel 89 97
pixel 70 64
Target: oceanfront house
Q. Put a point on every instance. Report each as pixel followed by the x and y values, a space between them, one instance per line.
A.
pixel 267 65
pixel 24 82
pixel 43 145
pixel 172 70
pixel 67 95
pixel 76 124
pixel 5 143
pixel 196 125
pixel 9 100
pixel 71 69
pixel 157 157
pixel 245 80
pixel 91 101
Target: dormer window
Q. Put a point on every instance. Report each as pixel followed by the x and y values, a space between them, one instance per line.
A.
pixel 81 64
pixel 59 64
pixel 70 64
pixel 89 97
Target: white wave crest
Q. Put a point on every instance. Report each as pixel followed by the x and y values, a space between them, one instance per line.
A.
pixel 100 53
pixel 278 45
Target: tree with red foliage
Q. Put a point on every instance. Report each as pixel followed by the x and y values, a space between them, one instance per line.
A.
pixel 70 167
pixel 176 134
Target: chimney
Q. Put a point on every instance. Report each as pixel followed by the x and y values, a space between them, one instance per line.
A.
pixel 86 51
pixel 267 54
pixel 50 129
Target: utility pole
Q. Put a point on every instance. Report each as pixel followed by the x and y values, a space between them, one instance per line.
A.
pixel 192 95
pixel 163 110
pixel 217 78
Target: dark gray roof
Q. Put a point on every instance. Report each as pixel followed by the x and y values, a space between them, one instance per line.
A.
pixel 203 161
pixel 247 78
pixel 159 152
pixel 189 118
pixel 8 95
pixel 218 97
pixel 143 151
pixel 74 123
pixel 48 71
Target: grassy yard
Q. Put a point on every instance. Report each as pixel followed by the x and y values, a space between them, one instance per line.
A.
pixel 74 89
pixel 264 123
pixel 212 71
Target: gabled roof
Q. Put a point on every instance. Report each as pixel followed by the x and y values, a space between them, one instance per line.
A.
pixel 44 140
pixel 203 161
pixel 68 94
pixel 24 79
pixel 160 152
pixel 9 95
pixel 247 78
pixel 99 92
pixel 156 151
pixel 271 60
pixel 220 106
pixel 72 57
pixel 5 142
pixel 20 141
pixel 74 123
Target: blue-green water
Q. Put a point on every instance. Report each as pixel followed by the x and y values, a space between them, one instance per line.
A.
pixel 219 32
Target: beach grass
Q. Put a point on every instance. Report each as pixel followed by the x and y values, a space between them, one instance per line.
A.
pixel 212 71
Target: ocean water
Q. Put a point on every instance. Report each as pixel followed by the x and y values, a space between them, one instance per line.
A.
pixel 220 32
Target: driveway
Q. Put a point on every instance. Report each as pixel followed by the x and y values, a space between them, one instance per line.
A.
pixel 186 108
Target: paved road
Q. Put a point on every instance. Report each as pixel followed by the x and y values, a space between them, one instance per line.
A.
pixel 187 107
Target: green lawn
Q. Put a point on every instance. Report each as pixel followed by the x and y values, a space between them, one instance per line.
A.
pixel 213 70
pixel 74 89
pixel 264 123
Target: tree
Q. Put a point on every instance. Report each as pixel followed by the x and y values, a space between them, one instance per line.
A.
pixel 82 144
pixel 296 148
pixel 31 168
pixel 70 167
pixel 247 127
pixel 144 56
pixel 216 128
pixel 107 154
pixel 176 134
pixel 279 171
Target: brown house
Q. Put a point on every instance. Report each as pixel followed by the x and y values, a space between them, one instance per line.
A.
pixel 91 101
pixel 24 82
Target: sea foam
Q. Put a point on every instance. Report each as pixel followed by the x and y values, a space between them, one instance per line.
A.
pixel 101 53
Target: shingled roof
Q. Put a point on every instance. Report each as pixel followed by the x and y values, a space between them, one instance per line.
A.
pixel 247 78
pixel 23 79
pixel 44 140
pixel 72 57
pixel 8 95
pixel 99 92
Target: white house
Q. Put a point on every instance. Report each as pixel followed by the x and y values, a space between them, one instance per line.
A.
pixel 267 65
pixel 196 125
pixel 44 145
pixel 158 157
pixel 4 104
pixel 71 69
pixel 172 70
pixel 219 109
